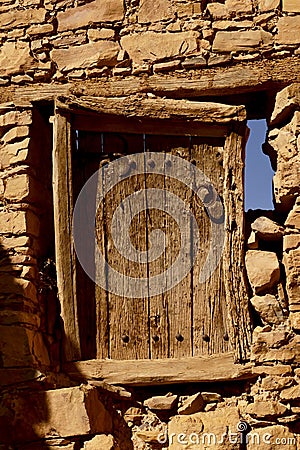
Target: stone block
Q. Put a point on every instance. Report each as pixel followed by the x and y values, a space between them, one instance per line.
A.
pixel 263 270
pixel 96 54
pixel 288 30
pixel 21 17
pixel 291 242
pixel 295 321
pixel 15 57
pixel 239 6
pixel 16 347
pixel 94 34
pixel 161 402
pixel 151 46
pixel 19 222
pixel 204 430
pixel 155 10
pixel 37 30
pixel 233 41
pixel 291 394
pixel 271 438
pixel 94 12
pixel 103 442
pixel 268 5
pixel 10 284
pixel 75 411
pixel 13 118
pixel 267 229
pixel 14 134
pixel 268 308
pixel 291 261
pixel 193 404
pixel 217 10
pixel 14 152
pixel 291 5
pixel 266 409
pixel 293 219
pixel 287 101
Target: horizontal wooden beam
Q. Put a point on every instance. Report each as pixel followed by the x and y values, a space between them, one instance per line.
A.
pixel 219 81
pixel 156 108
pixel 216 368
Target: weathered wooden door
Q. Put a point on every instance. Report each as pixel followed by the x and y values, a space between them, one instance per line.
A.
pixel 195 316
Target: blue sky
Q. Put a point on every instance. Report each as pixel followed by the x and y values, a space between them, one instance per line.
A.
pixel 258 171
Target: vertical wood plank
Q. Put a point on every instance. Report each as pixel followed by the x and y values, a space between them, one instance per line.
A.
pixel 65 256
pixel 210 320
pixel 234 262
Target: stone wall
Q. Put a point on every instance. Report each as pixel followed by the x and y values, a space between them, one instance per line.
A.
pixel 58 40
pixel 53 41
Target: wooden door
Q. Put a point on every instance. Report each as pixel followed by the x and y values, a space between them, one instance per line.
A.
pixel 191 319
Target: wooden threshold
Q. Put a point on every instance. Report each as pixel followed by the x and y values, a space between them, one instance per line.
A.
pixel 216 368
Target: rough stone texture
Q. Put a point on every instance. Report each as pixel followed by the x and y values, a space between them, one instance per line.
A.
pixel 293 219
pixel 291 261
pixel 19 222
pixel 268 308
pixel 271 438
pixel 217 10
pixel 165 403
pixel 295 321
pixel 47 414
pixel 103 442
pixel 155 10
pixel 288 30
pixel 208 426
pixel 239 6
pixel 291 242
pixel 15 57
pixel 267 229
pixel 266 409
pixel 94 12
pixel 17 18
pixel 262 269
pixel 97 54
pixel 291 394
pixel 268 5
pixel 192 404
pixel 233 41
pixel 152 46
pixel 286 145
pixel 287 101
pixel 291 6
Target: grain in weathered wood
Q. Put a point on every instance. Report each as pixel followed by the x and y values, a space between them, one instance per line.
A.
pixel 216 368
pixel 64 250
pixel 237 295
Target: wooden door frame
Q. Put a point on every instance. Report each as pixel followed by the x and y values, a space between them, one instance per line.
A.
pixel 141 115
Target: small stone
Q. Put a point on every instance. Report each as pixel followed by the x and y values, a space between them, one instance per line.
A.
pixel 162 403
pixel 15 133
pixel 293 219
pixel 217 10
pixel 276 383
pixel 103 442
pixel 252 242
pixel 192 404
pixel 288 419
pixel 94 34
pixel 233 41
pixel 155 10
pixel 291 242
pixel 267 229
pixel 266 409
pixel 149 436
pixel 133 414
pixel 288 30
pixel 295 320
pixel 194 63
pixel 291 5
pixel 21 79
pixel 239 6
pixel 268 308
pixel 268 5
pixel 121 71
pixel 36 30
pixel 218 60
pixel 210 397
pixel 166 66
pixel 263 270
pixel 278 369
pixel 291 394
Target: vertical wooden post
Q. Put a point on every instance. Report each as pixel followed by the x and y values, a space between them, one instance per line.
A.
pixel 64 250
pixel 237 296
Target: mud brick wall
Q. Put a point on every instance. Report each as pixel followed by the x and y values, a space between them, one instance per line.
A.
pixel 48 44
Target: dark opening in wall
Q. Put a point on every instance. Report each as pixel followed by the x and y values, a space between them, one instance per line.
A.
pixel 258 171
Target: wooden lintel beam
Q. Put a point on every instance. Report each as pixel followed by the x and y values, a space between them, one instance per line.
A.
pixel 217 368
pixel 237 79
